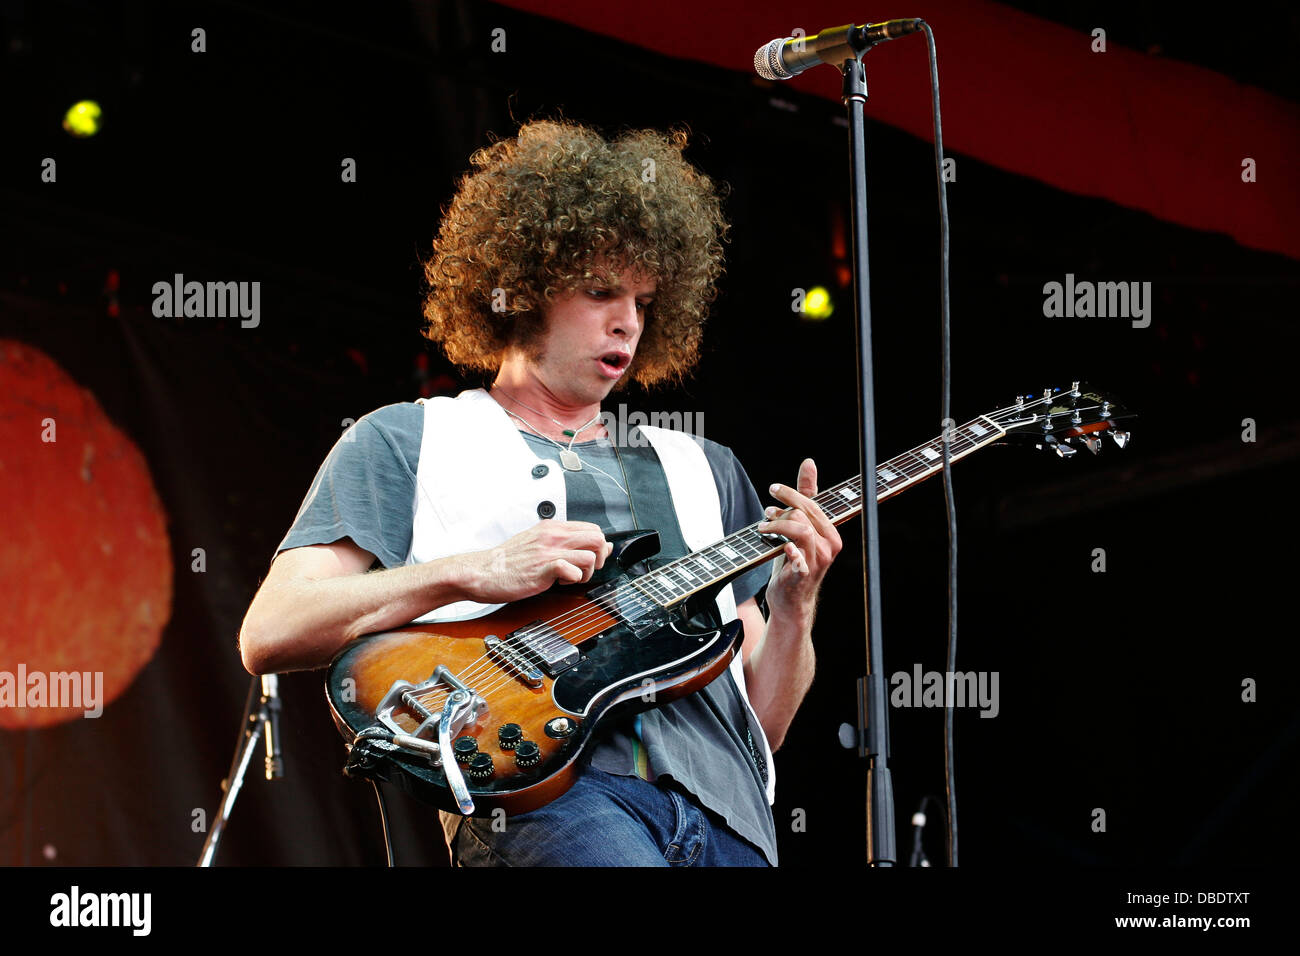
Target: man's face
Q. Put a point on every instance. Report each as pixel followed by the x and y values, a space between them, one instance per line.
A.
pixel 591 335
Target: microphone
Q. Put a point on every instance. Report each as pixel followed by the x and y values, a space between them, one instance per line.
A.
pixel 790 56
pixel 271 700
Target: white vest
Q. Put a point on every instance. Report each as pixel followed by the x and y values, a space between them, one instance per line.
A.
pixel 475 488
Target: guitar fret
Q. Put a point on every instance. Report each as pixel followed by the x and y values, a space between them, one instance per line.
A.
pixel 646 585
pixel 684 582
pixel 833 506
pixel 727 561
pixel 657 583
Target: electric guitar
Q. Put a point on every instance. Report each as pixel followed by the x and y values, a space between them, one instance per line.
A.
pixel 496 711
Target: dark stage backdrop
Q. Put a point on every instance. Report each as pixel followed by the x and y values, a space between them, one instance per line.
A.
pixel 1135 607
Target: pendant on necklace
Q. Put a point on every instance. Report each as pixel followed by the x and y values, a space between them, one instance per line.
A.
pixel 570 460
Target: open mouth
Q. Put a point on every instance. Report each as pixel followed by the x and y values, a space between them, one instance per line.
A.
pixel 615 361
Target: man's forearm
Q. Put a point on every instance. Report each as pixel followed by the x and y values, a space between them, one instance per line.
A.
pixel 301 624
pixel 780 671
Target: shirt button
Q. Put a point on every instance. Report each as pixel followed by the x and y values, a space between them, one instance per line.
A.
pixel 539 471
pixel 546 510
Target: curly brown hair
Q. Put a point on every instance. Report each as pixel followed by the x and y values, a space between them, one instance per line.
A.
pixel 538 211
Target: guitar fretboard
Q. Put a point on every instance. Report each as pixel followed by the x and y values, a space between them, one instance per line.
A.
pixel 748 547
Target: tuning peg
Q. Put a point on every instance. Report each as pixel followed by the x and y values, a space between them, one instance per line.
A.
pixel 1063 450
pixel 1092 443
pixel 1121 437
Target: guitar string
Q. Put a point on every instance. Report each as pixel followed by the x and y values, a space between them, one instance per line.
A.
pixel 600 610
pixel 526 643
pixel 558 639
pixel 573 627
pixel 595 623
pixel 607 608
pixel 591 625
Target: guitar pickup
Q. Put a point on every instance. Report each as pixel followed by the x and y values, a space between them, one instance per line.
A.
pixel 546 646
pixel 507 654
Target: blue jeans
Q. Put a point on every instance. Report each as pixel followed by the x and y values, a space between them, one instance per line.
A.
pixel 605 819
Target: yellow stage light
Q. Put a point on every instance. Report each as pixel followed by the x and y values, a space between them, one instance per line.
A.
pixel 817 303
pixel 83 119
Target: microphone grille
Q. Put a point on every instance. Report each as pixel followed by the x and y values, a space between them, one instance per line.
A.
pixel 767 61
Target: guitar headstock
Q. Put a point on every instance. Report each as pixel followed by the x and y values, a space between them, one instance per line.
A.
pixel 1065 420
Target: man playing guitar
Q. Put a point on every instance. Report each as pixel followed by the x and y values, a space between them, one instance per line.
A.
pixel 566 264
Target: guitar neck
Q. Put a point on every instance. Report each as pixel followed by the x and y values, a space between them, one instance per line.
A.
pixel 748 547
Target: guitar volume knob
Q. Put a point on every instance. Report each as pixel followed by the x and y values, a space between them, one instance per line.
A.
pixel 480 768
pixel 527 754
pixel 464 748
pixel 509 735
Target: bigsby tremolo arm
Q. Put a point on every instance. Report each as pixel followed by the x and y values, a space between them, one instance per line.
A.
pixel 460 710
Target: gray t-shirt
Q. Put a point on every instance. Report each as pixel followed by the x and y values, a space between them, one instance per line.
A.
pixel 365 490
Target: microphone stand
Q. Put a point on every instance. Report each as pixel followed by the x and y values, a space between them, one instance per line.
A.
pixel 253 724
pixel 873 713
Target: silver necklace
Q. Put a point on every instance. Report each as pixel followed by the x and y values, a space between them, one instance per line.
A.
pixel 568 457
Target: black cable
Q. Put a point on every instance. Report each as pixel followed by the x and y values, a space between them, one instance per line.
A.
pixel 950 781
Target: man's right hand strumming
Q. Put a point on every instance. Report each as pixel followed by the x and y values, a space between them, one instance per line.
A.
pixel 567 552
pixel 316 599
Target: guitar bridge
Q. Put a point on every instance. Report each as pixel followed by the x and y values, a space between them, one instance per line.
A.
pixel 404 694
